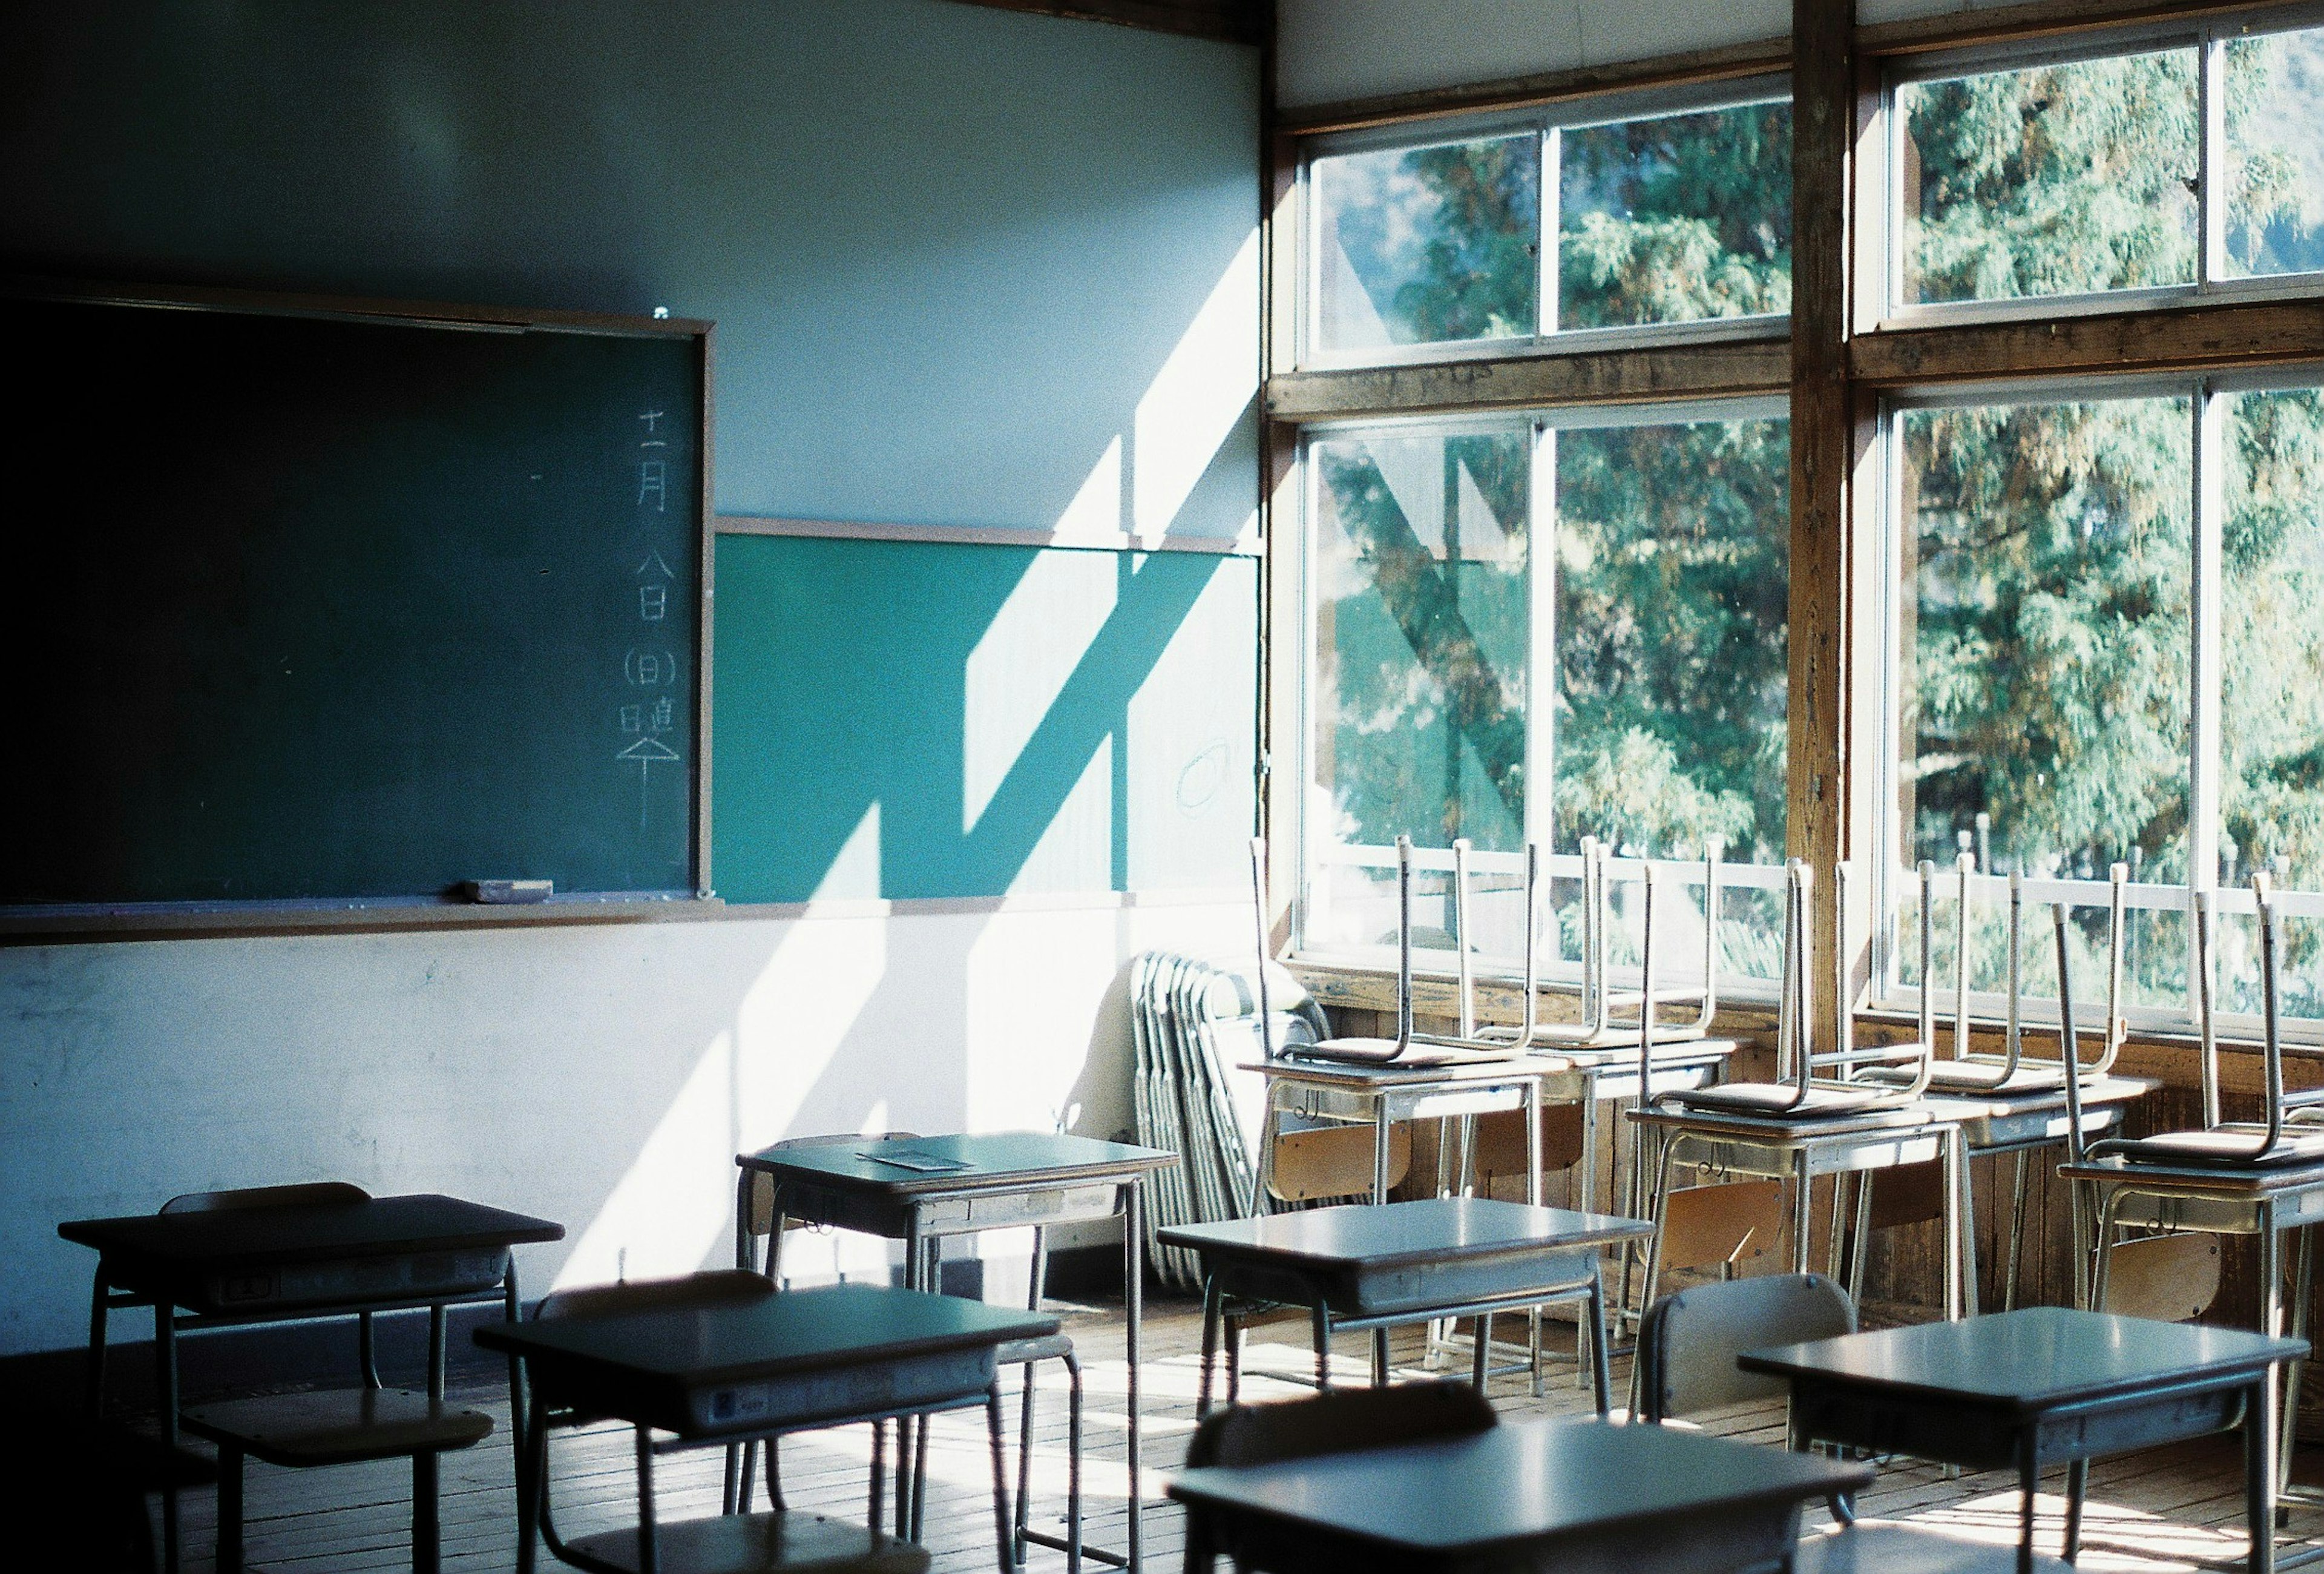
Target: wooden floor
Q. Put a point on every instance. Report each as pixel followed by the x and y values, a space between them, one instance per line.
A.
pixel 2167 1509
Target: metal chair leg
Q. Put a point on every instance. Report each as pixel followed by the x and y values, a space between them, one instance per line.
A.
pixel 229 1510
pixel 427 1523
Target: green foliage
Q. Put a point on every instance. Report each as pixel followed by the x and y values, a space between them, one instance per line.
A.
pixel 2067 178
pixel 1676 219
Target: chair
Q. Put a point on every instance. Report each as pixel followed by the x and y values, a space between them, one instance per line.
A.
pixel 1406 1049
pixel 1686 1363
pixel 2232 1144
pixel 1800 1094
pixel 758 1220
pixel 340 1426
pixel 1339 1422
pixel 790 1540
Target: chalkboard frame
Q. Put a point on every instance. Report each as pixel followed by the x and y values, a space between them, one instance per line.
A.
pixel 44 922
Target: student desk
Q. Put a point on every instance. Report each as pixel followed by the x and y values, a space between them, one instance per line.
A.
pixel 1762 1147
pixel 2042 1386
pixel 1472 1082
pixel 2265 1202
pixel 920 1191
pixel 712 1375
pixel 1532 1494
pixel 379 1254
pixel 1360 1266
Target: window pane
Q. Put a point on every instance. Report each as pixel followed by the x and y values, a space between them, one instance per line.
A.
pixel 2275 153
pixel 2057 180
pixel 1677 218
pixel 1428 245
pixel 1419 672
pixel 2047 565
pixel 2272 634
pixel 1672 586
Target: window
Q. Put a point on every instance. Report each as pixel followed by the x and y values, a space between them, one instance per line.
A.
pixel 1655 219
pixel 2093 176
pixel 1635 560
pixel 2097 665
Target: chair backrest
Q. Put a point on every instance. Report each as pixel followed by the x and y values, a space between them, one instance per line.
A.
pixel 1688 1342
pixel 1500 1147
pixel 761 1218
pixel 304 1195
pixel 2167 1278
pixel 1722 1225
pixel 1334 1161
pixel 1337 1422
pixel 1403 943
pixel 713 1287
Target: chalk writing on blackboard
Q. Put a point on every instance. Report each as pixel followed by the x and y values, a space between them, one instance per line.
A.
pixel 645 726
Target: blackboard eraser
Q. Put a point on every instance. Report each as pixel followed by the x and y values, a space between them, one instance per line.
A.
pixel 504 891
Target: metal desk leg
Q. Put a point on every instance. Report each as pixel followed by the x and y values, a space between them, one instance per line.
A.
pixel 907 1462
pixel 1380 1198
pixel 649 1552
pixel 2275 1400
pixel 1533 1199
pixel 1666 1144
pixel 165 1378
pixel 2259 1478
pixel 98 1311
pixel 1803 1214
pixel 736 1495
pixel 2029 1482
pixel 1212 1309
pixel 1594 1308
pixel 520 1418
pixel 1134 1236
pixel 2078 1488
pixel 2304 1286
pixel 1000 1525
pixel 2017 1193
pixel 1960 1250
pixel 1320 1316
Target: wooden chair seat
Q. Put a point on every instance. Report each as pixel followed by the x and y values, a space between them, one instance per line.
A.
pixel 737 1544
pixel 338 1426
pixel 1782 1100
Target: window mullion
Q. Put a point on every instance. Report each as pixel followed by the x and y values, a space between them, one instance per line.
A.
pixel 2205 687
pixel 2211 186
pixel 1553 188
pixel 1541 641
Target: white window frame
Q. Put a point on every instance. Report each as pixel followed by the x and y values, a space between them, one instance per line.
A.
pixel 1547 125
pixel 1318 852
pixel 1896 887
pixel 2212 282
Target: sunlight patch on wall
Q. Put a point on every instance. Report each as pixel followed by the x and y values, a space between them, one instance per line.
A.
pixel 1021 663
pixel 1198 396
pixel 673 1211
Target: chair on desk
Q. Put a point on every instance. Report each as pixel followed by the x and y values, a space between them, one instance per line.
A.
pixel 790 1540
pixel 1340 1421
pixel 341 1426
pixel 760 1222
pixel 1686 1363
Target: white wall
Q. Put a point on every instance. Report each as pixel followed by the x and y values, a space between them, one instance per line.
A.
pixel 1331 50
pixel 603 1077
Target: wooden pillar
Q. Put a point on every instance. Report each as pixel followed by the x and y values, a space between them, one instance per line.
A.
pixel 1826 799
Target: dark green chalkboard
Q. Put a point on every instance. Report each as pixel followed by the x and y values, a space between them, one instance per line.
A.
pixel 319 605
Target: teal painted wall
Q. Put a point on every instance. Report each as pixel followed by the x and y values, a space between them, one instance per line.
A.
pixel 1003 720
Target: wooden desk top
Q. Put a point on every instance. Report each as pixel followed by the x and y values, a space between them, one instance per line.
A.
pixel 2030 1361
pixel 920 1166
pixel 778 1333
pixel 2222 1179
pixel 379 1226
pixel 1910 1120
pixel 1522 1483
pixel 1439 1068
pixel 1445 1229
pixel 2103 1092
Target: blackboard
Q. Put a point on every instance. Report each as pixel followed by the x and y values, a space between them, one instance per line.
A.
pixel 322 601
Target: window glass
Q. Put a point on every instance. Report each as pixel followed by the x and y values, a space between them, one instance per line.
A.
pixel 1418 682
pixel 2275 153
pixel 2061 179
pixel 1428 245
pixel 2047 567
pixel 1673 585
pixel 2272 680
pixel 1675 218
